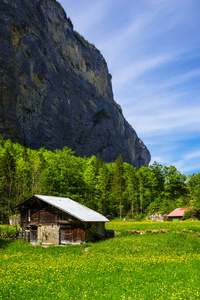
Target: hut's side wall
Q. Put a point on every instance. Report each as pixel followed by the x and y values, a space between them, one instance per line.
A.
pixel 175 218
pixel 94 231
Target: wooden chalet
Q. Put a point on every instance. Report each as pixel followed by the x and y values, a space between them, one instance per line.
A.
pixel 177 214
pixel 55 220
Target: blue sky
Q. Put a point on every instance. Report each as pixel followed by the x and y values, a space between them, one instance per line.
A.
pixel 152 48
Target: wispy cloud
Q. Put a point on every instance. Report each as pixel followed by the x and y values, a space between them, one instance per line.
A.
pixel 194 154
pixel 138 68
pixel 187 166
pixel 176 125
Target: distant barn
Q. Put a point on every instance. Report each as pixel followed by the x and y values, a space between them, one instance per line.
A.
pixel 177 214
pixel 56 220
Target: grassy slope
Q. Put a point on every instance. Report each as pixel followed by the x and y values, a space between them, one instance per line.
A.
pixel 130 266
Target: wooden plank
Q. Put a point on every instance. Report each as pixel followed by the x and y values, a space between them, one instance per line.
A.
pixel 72 234
pixel 47 218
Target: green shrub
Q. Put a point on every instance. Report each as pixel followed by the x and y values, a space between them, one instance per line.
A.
pixel 83 41
pixel 134 217
pixel 100 115
pixel 191 213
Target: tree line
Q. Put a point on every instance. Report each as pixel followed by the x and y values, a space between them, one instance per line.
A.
pixel 116 189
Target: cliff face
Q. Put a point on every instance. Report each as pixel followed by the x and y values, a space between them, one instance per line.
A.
pixel 55 89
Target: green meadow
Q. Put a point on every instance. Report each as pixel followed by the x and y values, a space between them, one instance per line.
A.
pixel 128 266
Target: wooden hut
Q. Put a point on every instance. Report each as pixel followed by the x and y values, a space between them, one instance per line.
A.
pixel 177 214
pixel 56 220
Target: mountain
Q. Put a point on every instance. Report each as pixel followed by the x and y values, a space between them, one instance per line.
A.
pixel 55 88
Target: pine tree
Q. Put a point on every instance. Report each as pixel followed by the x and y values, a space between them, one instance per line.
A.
pixel 90 178
pixel 102 188
pixel 118 183
pixel 7 180
pixel 131 183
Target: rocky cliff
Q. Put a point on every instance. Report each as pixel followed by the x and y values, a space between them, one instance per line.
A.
pixel 55 89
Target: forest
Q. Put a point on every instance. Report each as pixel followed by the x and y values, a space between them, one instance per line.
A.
pixel 114 189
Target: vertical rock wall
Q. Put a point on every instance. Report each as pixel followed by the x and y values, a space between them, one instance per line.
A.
pixel 55 89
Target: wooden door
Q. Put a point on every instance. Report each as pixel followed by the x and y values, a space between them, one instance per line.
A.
pixel 33 235
pixel 66 235
pixel 71 234
pixel 79 235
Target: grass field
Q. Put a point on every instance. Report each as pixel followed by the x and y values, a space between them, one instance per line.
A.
pixel 8 229
pixel 129 266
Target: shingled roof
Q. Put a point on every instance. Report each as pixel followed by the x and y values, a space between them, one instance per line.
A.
pixel 73 208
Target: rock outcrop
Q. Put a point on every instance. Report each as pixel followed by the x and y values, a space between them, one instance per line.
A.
pixel 157 217
pixel 55 89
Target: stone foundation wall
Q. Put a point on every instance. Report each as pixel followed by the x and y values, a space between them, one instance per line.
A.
pixel 48 234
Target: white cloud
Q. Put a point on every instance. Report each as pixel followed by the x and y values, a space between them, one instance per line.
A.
pixel 138 68
pixel 194 154
pixel 187 166
pixel 184 77
pixel 160 160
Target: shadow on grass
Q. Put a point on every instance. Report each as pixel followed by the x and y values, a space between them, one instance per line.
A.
pixel 5 243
